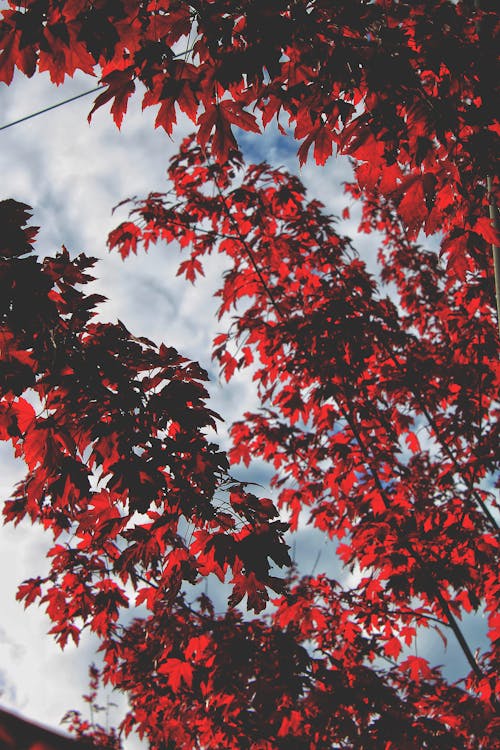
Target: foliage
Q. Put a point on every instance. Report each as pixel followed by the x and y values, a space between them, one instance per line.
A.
pixel 379 415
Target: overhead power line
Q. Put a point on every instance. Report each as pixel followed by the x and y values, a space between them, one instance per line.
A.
pixel 52 106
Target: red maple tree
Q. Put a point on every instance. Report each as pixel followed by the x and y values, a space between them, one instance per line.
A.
pixel 379 414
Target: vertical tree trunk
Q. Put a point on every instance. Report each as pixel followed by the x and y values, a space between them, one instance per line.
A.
pixel 493 210
pixel 494 248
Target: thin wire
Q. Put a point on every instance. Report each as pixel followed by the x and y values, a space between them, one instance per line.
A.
pixel 52 106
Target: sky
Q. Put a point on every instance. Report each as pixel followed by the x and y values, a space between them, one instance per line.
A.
pixel 73 174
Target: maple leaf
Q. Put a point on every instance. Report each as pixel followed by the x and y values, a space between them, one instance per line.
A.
pixel 393 647
pixel 147 595
pixel 62 53
pixel 323 141
pixel 322 138
pixel 249 586
pixel 197 648
pixel 120 86
pixel 229 365
pixel 29 591
pixel 190 269
pixel 126 238
pixel 412 207
pixel 177 672
pixel 418 668
pixel 220 117
pixel 485 228
pixel 456 250
pixel 412 442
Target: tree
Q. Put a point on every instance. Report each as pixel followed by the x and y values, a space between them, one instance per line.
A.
pixel 348 379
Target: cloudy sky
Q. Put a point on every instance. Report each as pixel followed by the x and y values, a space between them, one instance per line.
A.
pixel 73 174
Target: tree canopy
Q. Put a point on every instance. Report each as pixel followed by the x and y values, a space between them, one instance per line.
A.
pixel 379 414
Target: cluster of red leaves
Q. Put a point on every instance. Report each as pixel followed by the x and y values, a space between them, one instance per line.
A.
pixel 102 737
pixel 381 421
pixel 379 416
pixel 111 429
pixel 409 90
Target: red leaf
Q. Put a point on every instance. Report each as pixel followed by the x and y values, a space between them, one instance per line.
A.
pixel 14 54
pixel 413 442
pixel 228 364
pixel 62 53
pixel 393 647
pixel 25 414
pixel 190 268
pixel 126 238
pixel 412 208
pixel 234 113
pixel 29 591
pixel 250 586
pixel 177 672
pixel 456 249
pixel 120 86
pixel 485 228
pixel 418 667
pixel 323 144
